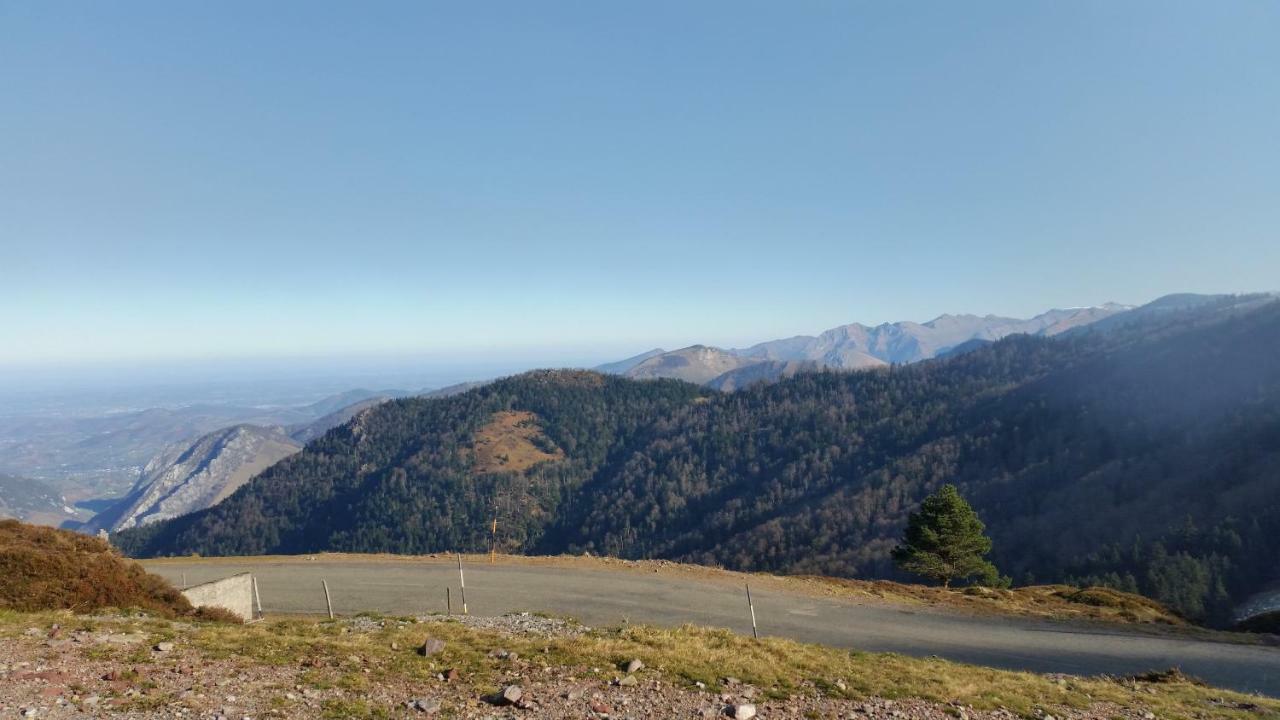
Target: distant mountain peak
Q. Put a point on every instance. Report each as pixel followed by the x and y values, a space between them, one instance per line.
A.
pixel 848 347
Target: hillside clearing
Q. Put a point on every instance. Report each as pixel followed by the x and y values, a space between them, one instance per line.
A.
pixel 512 442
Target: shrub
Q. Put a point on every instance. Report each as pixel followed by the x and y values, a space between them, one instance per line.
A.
pixel 43 568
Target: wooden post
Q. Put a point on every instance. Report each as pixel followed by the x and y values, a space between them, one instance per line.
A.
pixel 462 583
pixel 327 600
pixel 752 605
pixel 448 600
pixel 257 599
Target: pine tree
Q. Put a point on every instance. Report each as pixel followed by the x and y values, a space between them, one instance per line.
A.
pixel 944 541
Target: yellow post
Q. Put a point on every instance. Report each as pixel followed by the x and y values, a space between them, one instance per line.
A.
pixel 493 541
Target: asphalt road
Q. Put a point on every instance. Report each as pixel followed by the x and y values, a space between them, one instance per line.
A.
pixel 604 597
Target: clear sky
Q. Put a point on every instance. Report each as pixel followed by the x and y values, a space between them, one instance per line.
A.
pixel 590 179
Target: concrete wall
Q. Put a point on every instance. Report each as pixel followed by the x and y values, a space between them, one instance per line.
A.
pixel 234 593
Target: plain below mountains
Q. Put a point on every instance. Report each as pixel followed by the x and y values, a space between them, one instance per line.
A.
pixel 848 347
pixel 102 456
pixel 33 501
pixel 1141 455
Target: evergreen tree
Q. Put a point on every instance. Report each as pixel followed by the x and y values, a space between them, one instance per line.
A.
pixel 944 541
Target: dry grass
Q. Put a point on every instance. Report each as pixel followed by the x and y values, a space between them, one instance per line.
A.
pixel 1057 602
pixel 44 568
pixel 512 442
pixel 684 656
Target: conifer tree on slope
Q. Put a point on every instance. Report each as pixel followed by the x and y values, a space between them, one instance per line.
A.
pixel 944 541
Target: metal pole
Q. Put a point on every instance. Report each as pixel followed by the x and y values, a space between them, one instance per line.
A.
pixel 462 582
pixel 257 599
pixel 327 600
pixel 752 605
pixel 493 540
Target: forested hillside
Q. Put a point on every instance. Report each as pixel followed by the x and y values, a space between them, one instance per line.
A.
pixel 1145 456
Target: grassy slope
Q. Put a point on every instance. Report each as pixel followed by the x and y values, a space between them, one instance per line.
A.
pixel 684 656
pixel 42 567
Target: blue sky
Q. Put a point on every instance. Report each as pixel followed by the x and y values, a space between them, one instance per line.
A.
pixel 588 179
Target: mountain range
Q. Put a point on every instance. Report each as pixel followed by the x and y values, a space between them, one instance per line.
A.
pixel 1136 450
pixel 848 347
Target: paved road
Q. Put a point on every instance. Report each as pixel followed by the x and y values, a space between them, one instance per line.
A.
pixel 604 597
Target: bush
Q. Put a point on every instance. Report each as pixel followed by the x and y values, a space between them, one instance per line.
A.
pixel 42 568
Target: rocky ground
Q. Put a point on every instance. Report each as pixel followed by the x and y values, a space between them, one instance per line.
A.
pixel 82 671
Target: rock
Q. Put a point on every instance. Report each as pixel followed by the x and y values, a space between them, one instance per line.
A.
pixel 601 708
pixel 450 675
pixel 574 693
pixel 395 645
pixel 163 647
pixel 731 681
pixel 430 706
pixel 430 647
pixel 628 681
pixel 511 694
pixel 745 711
pixel 634 666
pixel 700 685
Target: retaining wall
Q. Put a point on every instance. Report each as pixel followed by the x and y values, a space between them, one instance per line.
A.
pixel 234 593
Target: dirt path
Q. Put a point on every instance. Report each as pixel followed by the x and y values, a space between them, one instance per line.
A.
pixel 607 596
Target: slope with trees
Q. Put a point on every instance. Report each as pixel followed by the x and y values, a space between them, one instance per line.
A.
pixel 1143 457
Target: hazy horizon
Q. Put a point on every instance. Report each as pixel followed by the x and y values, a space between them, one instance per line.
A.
pixel 516 185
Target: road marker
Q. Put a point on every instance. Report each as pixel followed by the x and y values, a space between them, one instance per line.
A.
pixel 327 600
pixel 257 599
pixel 462 582
pixel 752 605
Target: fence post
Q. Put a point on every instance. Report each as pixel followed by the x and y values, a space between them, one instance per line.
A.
pixel 752 605
pixel 462 582
pixel 327 600
pixel 257 599
pixel 448 600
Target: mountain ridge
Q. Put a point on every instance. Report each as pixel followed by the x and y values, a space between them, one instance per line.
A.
pixel 853 346
pixel 1081 451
